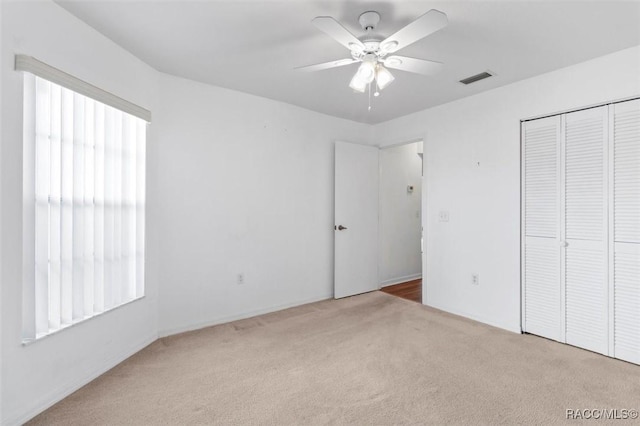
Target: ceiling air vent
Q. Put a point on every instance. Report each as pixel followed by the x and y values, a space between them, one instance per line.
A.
pixel 475 78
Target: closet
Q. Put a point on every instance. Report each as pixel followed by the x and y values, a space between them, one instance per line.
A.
pixel 581 228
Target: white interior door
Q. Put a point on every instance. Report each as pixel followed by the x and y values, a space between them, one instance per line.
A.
pixel 356 219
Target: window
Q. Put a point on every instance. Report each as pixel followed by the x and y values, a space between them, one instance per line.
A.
pixel 84 206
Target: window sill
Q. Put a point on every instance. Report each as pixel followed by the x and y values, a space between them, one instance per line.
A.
pixel 30 341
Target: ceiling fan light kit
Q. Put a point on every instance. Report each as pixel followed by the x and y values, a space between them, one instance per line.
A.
pixel 383 77
pixel 371 70
pixel 358 84
pixel 367 71
pixel 372 52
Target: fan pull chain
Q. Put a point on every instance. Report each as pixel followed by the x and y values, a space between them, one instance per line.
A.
pixel 369 97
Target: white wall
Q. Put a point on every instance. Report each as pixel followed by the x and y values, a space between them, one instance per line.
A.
pixel 472 170
pixel 247 187
pixel 39 374
pixel 399 230
pixel 238 183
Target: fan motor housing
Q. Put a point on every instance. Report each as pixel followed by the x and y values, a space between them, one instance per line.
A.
pixel 371 45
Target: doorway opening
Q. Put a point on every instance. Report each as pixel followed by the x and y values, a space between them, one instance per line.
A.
pixel 400 220
pixel 410 290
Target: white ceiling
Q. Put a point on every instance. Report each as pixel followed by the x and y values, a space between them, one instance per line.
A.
pixel 253 46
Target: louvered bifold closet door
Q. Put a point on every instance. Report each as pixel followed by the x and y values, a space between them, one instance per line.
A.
pixel 541 232
pixel 585 229
pixel 626 229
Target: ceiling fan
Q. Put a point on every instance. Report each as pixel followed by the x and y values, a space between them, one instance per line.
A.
pixel 374 53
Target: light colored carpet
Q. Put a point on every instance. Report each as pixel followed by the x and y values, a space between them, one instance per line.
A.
pixel 372 359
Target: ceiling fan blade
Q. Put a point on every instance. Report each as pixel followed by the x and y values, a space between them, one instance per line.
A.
pixel 327 65
pixel 428 23
pixel 418 66
pixel 336 31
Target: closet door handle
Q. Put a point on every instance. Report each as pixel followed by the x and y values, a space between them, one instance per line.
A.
pixel 564 244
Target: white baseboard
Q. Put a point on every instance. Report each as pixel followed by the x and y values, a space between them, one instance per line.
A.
pixel 399 280
pixel 67 389
pixel 488 321
pixel 243 315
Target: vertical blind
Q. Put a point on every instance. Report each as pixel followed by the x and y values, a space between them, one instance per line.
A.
pixel 84 186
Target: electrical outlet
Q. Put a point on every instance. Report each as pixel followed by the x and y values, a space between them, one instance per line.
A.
pixel 475 279
pixel 443 216
pixel 241 278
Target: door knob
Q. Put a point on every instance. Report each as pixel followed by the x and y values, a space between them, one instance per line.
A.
pixel 564 244
pixel 341 228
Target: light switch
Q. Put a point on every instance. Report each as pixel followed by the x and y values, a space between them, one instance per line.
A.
pixel 444 216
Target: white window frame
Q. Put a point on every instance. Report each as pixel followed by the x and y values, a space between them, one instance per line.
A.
pixel 83 200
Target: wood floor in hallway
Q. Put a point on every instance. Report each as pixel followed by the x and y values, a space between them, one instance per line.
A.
pixel 411 290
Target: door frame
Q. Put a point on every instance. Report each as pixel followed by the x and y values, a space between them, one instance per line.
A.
pixel 423 201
